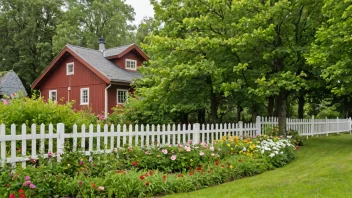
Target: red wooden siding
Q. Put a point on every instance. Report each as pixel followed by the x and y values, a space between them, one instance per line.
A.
pixel 133 55
pixel 82 78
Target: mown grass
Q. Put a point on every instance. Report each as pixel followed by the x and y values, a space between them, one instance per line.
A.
pixel 323 168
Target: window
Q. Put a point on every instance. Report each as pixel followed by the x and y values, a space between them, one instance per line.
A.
pixel 84 96
pixel 70 68
pixel 131 64
pixel 121 96
pixel 53 95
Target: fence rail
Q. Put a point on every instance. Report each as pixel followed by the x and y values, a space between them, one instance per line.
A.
pixel 20 144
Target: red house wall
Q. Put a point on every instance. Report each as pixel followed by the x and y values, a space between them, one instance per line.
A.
pixel 121 62
pixel 82 78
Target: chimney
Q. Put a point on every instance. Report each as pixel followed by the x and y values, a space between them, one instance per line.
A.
pixel 101 42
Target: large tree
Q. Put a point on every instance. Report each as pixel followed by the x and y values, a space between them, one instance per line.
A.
pixel 85 21
pixel 27 28
pixel 331 52
pixel 233 51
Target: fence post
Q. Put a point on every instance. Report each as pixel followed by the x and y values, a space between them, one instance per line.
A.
pixel 312 126
pixel 240 129
pixel 349 124
pixel 3 145
pixel 196 131
pixel 60 140
pixel 337 125
pixel 258 126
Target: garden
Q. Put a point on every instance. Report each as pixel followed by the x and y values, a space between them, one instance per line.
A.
pixel 146 172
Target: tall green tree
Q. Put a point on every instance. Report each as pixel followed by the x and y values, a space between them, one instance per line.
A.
pixel 145 28
pixel 27 28
pixel 85 21
pixel 234 51
pixel 331 53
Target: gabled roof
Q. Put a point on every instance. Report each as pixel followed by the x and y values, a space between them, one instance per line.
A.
pixel 10 83
pixel 98 63
pixel 104 66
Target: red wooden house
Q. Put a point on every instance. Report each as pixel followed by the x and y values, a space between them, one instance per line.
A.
pixel 99 79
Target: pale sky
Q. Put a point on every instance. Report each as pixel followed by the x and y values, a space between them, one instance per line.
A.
pixel 142 8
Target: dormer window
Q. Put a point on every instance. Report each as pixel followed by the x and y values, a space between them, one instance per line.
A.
pixel 70 68
pixel 131 64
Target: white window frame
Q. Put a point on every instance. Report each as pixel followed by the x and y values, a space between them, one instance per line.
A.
pixel 51 95
pixel 129 68
pixel 117 95
pixel 81 96
pixel 68 73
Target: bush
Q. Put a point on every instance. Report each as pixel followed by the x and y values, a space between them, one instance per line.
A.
pixel 18 110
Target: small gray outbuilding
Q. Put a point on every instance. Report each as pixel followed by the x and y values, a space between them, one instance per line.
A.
pixel 10 83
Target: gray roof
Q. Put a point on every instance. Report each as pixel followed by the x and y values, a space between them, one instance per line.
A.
pixel 10 83
pixel 96 59
pixel 116 50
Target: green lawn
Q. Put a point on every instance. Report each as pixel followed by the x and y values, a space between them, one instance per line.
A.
pixel 323 168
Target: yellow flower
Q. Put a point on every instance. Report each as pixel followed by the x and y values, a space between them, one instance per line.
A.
pixel 231 149
pixel 252 146
pixel 231 167
pixel 228 145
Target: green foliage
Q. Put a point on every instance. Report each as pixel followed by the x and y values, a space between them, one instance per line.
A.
pixel 85 21
pixel 37 111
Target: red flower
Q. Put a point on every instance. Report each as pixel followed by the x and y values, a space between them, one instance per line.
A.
pixel 93 185
pixel 20 191
pixel 150 172
pixel 222 166
pixel 119 171
pixel 216 162
pixel 180 175
pixel 191 173
pixel 141 177
pixel 239 160
pixel 164 176
pixel 22 196
pixel 147 183
pixel 7 185
pixel 199 168
pixel 12 196
pixel 134 163
pixel 146 175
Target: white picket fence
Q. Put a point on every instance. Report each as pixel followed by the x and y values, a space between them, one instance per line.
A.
pixel 15 141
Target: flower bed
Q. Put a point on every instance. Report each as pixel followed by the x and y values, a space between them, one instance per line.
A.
pixel 142 172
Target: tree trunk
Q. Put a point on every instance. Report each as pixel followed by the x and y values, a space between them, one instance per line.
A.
pixel 254 113
pixel 271 102
pixel 213 107
pixel 238 113
pixel 301 102
pixel 201 116
pixel 277 106
pixel 283 112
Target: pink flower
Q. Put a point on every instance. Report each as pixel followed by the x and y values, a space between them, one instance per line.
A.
pixel 211 148
pixel 201 153
pixel 173 158
pixel 101 117
pixel 204 145
pixel 190 141
pixel 187 148
pixel 164 151
pixel 27 178
pixel 50 154
pixel 147 152
pixel 27 183
pixel 81 163
pixel 101 188
pixel 212 154
pixel 6 102
pixel 32 186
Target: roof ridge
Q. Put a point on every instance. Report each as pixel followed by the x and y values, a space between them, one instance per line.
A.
pixel 120 46
pixel 82 47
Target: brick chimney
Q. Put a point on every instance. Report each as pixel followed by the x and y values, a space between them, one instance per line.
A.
pixel 101 42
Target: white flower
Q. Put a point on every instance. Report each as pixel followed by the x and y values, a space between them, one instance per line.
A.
pixel 272 155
